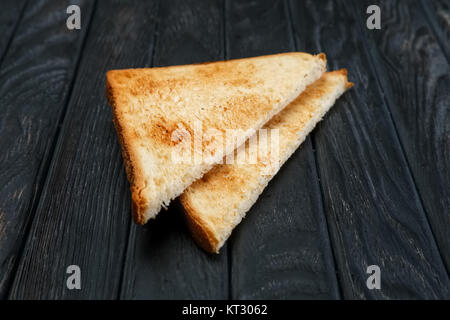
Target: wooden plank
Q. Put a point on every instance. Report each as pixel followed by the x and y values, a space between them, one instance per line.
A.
pixel 10 16
pixel 83 216
pixel 281 250
pixel 437 13
pixel 415 78
pixel 35 82
pixel 373 211
pixel 162 261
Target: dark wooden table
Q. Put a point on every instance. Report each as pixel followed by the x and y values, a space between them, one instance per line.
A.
pixel 370 186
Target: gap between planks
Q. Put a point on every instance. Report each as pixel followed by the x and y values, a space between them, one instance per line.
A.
pixel 131 237
pixel 315 165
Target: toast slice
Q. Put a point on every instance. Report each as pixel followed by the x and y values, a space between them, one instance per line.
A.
pixel 151 106
pixel 215 204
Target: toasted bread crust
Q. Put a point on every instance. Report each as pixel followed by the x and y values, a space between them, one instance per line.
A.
pixel 200 230
pixel 132 168
pixel 343 72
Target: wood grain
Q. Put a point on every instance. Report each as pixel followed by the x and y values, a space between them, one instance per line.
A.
pixel 83 216
pixel 415 78
pixel 163 261
pixel 281 250
pixel 10 15
pixel 437 13
pixel 373 178
pixel 374 214
pixel 35 81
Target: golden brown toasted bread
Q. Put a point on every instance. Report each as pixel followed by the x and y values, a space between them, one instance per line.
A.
pixel 215 204
pixel 151 105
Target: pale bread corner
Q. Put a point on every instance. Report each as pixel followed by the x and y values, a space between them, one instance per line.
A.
pixel 215 204
pixel 150 104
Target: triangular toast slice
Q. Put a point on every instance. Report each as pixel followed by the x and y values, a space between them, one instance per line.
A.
pixel 152 106
pixel 215 204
